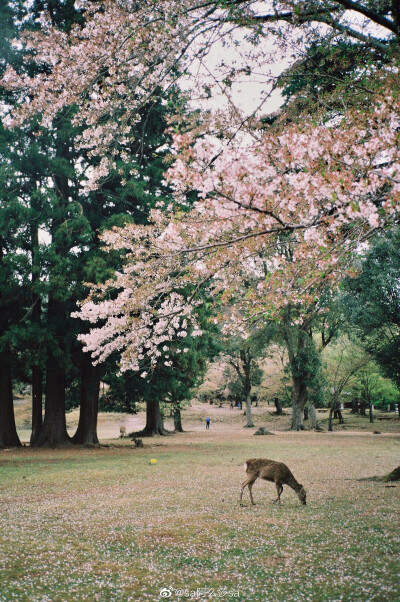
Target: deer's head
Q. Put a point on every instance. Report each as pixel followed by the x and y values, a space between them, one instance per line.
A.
pixel 302 495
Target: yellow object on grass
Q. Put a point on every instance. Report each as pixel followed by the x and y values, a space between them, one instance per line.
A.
pixel 153 461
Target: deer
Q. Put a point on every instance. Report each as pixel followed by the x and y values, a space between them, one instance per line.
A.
pixel 276 472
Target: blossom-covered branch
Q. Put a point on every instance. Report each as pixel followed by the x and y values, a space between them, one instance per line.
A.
pixel 126 52
pixel 275 219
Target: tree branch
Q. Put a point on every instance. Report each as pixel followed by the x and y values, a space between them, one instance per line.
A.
pixel 232 363
pixel 324 15
pixel 368 12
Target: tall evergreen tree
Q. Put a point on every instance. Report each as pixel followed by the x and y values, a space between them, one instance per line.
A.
pixel 11 213
pixel 59 235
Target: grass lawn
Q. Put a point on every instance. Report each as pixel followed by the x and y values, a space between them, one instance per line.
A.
pixel 103 524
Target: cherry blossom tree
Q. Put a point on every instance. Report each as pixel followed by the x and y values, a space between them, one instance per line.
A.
pixel 121 54
pixel 283 212
pixel 283 208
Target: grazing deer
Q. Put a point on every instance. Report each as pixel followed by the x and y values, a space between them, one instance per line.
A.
pixel 277 472
pixel 122 432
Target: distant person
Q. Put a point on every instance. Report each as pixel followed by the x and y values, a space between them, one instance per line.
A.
pixel 231 404
pixel 208 420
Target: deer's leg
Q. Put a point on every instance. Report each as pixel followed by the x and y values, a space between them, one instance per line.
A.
pixel 251 494
pixel 247 483
pixel 241 492
pixel 279 489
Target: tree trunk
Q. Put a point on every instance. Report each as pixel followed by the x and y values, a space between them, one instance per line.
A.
pixel 335 410
pixel 54 429
pixel 330 421
pixel 37 403
pixel 371 413
pixel 246 364
pixel 354 406
pixel 249 418
pixel 299 394
pixel 178 418
pixel 278 406
pixel 8 430
pixel 86 433
pixel 305 412
pixel 37 371
pixel 313 416
pixel 297 342
pixel 154 421
pixel 363 406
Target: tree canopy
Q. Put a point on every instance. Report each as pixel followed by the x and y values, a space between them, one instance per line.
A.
pixel 267 211
pixel 373 302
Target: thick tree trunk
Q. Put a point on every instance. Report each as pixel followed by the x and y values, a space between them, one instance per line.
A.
pixel 354 406
pixel 313 417
pixel 296 342
pixel 86 433
pixel 54 429
pixel 37 403
pixel 371 413
pixel 8 431
pixel 299 396
pixel 278 406
pixel 154 421
pixel 37 372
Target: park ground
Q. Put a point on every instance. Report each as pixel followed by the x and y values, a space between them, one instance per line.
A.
pixel 85 524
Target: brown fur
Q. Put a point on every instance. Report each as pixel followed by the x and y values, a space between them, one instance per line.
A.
pixel 269 470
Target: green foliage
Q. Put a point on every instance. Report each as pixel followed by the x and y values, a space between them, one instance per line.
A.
pixel 72 396
pixel 329 74
pixel 187 363
pixel 244 356
pixel 122 394
pixel 236 384
pixel 372 303
pixel 351 374
pixel 176 375
pixel 306 365
pixel 63 13
pixel 371 386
